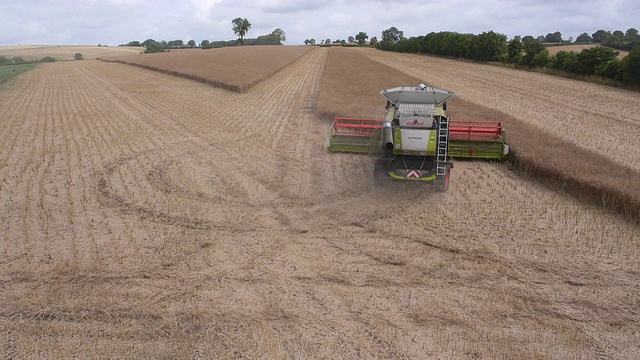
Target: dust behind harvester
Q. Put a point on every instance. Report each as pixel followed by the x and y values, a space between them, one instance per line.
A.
pixel 416 140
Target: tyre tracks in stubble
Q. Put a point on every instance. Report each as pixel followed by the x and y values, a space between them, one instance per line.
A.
pixel 257 135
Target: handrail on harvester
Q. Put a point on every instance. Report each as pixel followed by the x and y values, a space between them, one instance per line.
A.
pixel 357 126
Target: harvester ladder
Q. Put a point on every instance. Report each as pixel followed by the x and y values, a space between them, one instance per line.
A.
pixel 443 145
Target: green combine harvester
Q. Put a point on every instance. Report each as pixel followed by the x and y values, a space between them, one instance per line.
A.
pixel 416 141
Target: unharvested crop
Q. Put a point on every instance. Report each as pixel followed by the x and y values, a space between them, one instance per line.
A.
pixel 598 118
pixel 543 144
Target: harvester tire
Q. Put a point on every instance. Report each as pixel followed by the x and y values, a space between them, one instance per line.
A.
pixel 381 173
pixel 442 184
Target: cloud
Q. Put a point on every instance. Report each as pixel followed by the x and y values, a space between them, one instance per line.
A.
pixel 201 9
pixel 125 2
pixel 289 6
pixel 120 21
pixel 340 19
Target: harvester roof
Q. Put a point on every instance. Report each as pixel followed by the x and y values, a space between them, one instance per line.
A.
pixel 416 95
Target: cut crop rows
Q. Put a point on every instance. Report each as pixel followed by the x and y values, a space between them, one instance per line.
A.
pixel 145 215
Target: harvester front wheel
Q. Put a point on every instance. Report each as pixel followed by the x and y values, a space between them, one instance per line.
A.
pixel 442 184
pixel 381 172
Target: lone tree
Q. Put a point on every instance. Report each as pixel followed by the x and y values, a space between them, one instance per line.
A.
pixel 630 69
pixel 600 36
pixel 556 37
pixel 279 36
pixel 514 51
pixel 77 56
pixel 152 46
pixel 392 34
pixel 362 37
pixel 584 38
pixel 241 27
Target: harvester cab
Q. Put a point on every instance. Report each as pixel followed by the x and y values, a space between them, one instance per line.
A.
pixel 416 140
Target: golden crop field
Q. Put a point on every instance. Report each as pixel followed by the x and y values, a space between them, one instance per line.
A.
pixel 579 47
pixel 144 215
pixel 233 68
pixel 541 144
pixel 65 52
pixel 602 119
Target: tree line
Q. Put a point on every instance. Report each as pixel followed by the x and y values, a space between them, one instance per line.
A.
pixel 240 27
pixel 529 51
pixel 19 60
pixel 359 39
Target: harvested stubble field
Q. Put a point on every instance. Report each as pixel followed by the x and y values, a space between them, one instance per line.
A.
pixel 135 222
pixel 233 68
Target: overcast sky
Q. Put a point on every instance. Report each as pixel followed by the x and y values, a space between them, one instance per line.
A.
pixel 113 22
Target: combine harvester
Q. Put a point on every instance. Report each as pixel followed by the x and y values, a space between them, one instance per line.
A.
pixel 416 141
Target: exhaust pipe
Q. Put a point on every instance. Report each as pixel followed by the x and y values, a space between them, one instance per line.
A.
pixel 387 135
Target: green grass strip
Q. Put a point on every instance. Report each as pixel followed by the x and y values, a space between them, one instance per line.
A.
pixel 9 71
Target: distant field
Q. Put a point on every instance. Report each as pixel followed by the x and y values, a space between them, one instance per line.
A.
pixel 578 48
pixel 9 71
pixel 232 68
pixel 64 52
